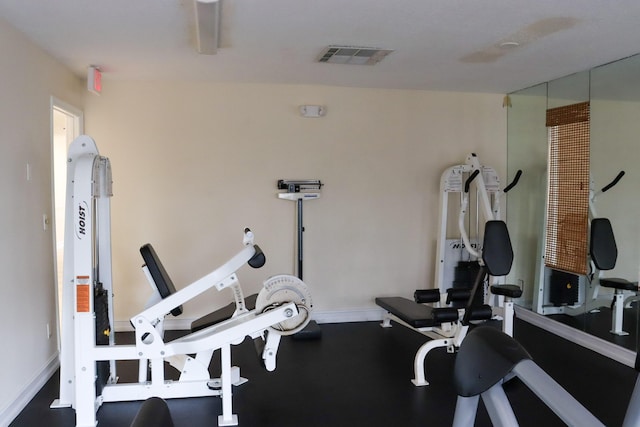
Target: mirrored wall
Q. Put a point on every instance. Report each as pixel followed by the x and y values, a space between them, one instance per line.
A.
pixel 613 91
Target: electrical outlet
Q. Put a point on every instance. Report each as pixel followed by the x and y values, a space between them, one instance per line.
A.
pixel 48 331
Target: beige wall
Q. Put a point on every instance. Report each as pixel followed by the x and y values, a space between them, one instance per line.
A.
pixel 29 78
pixel 195 163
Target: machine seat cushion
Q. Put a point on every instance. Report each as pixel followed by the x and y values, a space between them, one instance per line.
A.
pixel 511 291
pixel 417 315
pixel 485 357
pixel 222 314
pixel 617 283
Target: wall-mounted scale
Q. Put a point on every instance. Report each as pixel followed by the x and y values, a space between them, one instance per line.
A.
pixel 299 191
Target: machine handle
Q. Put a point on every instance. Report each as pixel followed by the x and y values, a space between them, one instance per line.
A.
pixel 514 182
pixel 614 182
pixel 467 183
pixel 258 259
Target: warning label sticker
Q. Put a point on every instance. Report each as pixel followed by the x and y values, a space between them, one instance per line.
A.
pixel 83 294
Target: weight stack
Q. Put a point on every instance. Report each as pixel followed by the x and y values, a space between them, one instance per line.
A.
pixel 103 330
pixel 563 288
pixel 464 275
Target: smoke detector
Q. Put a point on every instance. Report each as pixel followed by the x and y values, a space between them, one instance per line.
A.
pixel 353 55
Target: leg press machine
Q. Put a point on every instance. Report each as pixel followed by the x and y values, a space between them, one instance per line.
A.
pixel 88 350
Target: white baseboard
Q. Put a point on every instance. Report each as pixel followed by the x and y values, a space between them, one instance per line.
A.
pixel 39 379
pixel 349 315
pixel 336 316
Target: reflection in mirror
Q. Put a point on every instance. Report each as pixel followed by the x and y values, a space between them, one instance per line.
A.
pixel 527 151
pixel 561 287
pixel 613 91
pixel 615 131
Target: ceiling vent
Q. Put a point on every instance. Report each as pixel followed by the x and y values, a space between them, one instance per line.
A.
pixel 353 55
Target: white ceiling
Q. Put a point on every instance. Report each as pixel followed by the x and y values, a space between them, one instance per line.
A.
pixel 439 44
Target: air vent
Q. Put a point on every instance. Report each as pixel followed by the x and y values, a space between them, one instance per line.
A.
pixel 353 55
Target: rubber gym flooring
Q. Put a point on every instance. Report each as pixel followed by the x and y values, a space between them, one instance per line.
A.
pixel 358 374
pixel 598 323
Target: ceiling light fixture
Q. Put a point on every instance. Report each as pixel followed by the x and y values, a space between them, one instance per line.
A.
pixel 207 26
pixel 509 45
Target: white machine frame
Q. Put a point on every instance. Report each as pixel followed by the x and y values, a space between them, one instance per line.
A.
pixel 488 195
pixel 448 334
pixel 488 191
pixel 88 262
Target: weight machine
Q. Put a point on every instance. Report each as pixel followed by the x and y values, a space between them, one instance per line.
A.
pixel 459 180
pixel 88 350
pixel 447 326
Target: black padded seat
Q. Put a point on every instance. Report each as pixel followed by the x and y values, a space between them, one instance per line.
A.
pixel 222 314
pixel 485 357
pixel 511 291
pixel 617 283
pixel 417 315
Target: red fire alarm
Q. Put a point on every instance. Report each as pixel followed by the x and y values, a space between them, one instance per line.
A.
pixel 94 80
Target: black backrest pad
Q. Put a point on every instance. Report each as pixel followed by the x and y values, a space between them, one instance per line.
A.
pixel 497 253
pixel 602 245
pixel 159 274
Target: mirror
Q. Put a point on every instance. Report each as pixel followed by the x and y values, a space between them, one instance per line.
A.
pixel 613 91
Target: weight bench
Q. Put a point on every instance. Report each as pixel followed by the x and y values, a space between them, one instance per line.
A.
pixel 447 326
pixel 162 283
pixel 281 308
pixel 604 254
pixel 165 287
pixel 418 315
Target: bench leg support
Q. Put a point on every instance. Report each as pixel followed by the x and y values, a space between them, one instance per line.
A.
pixel 617 314
pixel 418 362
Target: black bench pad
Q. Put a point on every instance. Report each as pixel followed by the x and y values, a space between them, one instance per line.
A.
pixel 222 314
pixel 417 315
pixel 512 291
pixel 617 283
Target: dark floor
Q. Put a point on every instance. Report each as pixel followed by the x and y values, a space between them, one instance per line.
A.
pixel 598 323
pixel 358 374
